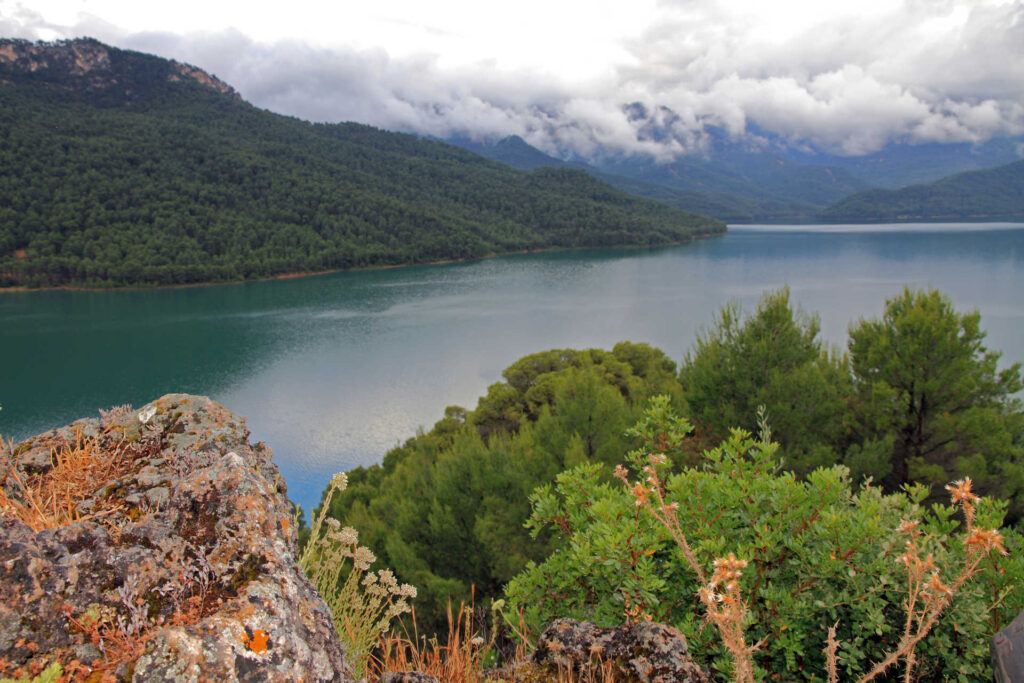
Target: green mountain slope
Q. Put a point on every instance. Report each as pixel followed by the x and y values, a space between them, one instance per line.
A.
pixel 122 168
pixel 732 186
pixel 517 153
pixel 991 193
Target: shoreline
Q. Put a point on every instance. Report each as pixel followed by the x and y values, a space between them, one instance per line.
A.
pixel 304 274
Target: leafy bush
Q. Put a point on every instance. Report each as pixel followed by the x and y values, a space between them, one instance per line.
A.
pixel 818 552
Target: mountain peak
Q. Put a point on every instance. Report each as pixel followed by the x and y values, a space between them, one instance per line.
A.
pixel 88 62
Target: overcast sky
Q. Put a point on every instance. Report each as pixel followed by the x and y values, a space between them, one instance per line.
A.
pixel 847 77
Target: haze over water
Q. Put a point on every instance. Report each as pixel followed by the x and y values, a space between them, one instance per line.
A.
pixel 333 370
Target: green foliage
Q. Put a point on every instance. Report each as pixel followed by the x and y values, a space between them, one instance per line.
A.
pixel 819 551
pixel 130 176
pixel 773 358
pixel 50 674
pixel 446 509
pixel 934 397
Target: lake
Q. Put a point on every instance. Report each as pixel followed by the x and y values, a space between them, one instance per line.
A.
pixel 333 370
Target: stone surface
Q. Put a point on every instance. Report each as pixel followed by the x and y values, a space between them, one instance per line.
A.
pixel 409 677
pixel 644 652
pixel 188 573
pixel 1008 652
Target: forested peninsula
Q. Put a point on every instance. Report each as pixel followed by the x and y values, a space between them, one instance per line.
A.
pixel 119 168
pixel 990 193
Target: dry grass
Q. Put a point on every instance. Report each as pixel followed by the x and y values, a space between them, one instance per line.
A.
pixel 465 655
pixel 458 660
pixel 49 500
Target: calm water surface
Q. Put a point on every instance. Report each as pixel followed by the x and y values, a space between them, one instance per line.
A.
pixel 333 370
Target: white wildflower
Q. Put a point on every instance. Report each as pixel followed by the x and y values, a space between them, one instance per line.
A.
pixel 340 481
pixel 363 558
pixel 332 523
pixel 388 579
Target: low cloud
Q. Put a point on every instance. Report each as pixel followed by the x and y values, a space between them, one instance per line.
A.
pixel 921 71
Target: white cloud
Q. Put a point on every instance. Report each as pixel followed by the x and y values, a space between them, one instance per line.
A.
pixel 848 79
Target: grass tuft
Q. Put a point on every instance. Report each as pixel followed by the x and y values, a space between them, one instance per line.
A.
pixel 49 500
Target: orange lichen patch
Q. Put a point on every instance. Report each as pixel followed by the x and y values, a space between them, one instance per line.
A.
pixel 49 500
pixel 258 642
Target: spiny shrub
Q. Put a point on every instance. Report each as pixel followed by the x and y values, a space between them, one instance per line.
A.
pixel 800 556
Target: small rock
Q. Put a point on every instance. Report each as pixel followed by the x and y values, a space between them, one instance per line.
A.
pixel 408 677
pixel 157 496
pixel 644 652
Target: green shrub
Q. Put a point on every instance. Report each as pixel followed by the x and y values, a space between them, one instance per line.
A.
pixel 818 551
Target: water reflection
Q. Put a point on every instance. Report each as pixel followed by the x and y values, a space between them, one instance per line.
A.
pixel 333 370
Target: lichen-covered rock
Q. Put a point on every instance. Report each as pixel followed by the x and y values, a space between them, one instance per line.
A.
pixel 182 567
pixel 644 652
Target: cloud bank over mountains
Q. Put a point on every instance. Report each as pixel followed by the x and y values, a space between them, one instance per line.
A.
pixel 846 83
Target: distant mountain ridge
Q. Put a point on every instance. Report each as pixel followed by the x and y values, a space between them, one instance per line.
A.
pixel 988 194
pixel 898 163
pixel 119 168
pixel 737 189
pixel 756 175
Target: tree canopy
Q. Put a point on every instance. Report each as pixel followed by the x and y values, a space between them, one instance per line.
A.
pixel 446 509
pixel 773 358
pixel 935 398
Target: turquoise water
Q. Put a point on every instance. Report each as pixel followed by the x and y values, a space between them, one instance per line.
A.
pixel 333 370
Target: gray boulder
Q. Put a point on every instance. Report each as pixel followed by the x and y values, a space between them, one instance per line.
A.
pixel 179 566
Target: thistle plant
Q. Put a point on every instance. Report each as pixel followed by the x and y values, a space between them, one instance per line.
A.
pixel 720 593
pixel 927 595
pixel 363 603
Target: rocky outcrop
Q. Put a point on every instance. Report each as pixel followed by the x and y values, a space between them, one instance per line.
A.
pixel 91 63
pixel 644 652
pixel 173 560
pixel 74 57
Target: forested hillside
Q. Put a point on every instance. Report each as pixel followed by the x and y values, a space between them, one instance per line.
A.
pixel 121 168
pixel 991 193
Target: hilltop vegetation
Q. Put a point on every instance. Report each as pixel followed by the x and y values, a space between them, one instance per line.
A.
pixel 446 509
pixel 122 168
pixel 990 193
